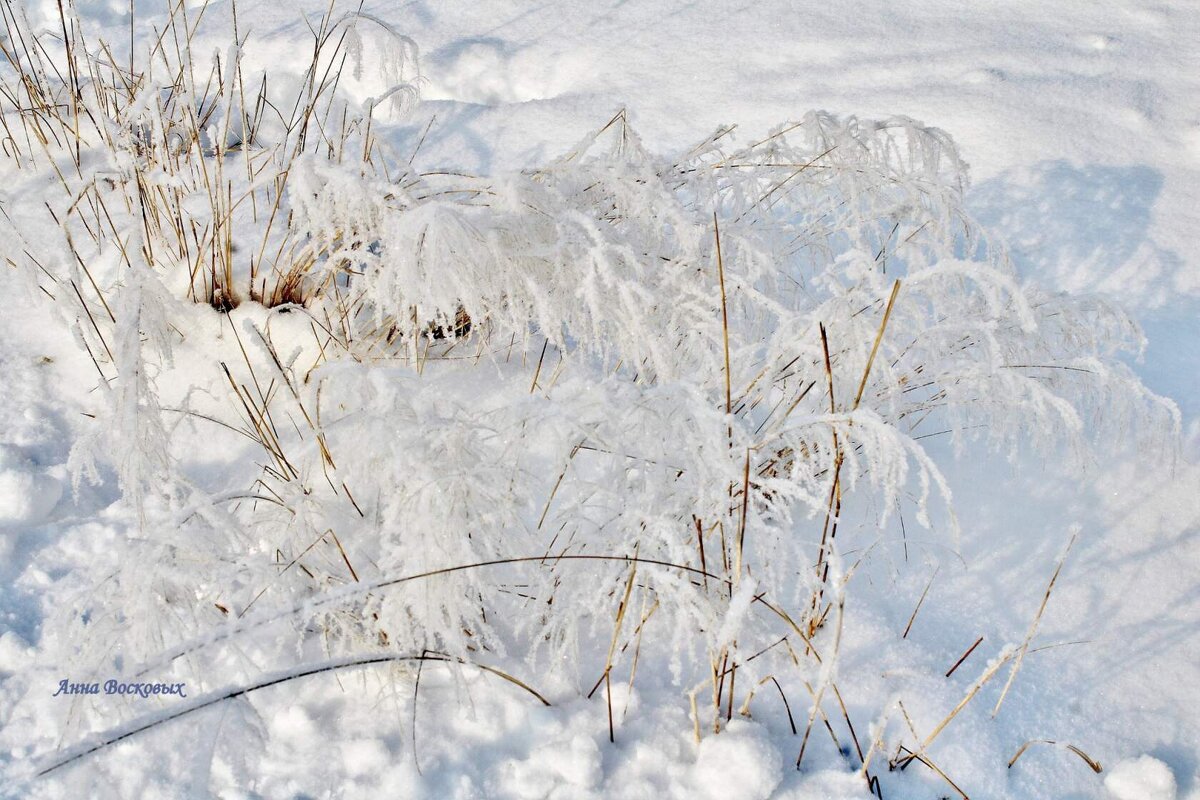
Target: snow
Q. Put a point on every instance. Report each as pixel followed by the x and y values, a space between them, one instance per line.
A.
pixel 744 763
pixel 1144 778
pixel 574 770
pixel 27 494
pixel 1080 126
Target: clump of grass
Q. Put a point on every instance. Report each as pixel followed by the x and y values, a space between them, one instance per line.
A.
pixel 196 159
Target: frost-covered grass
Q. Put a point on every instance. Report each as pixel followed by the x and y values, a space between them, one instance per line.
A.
pixel 620 412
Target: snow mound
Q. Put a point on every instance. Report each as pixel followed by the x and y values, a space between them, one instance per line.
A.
pixel 490 72
pixel 559 770
pixel 1144 778
pixel 15 653
pixel 828 784
pixel 740 762
pixel 27 495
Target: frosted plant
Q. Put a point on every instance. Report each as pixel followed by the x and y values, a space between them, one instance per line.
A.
pixel 617 398
pixel 166 189
pixel 397 58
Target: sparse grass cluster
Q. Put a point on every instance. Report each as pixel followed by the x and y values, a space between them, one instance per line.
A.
pixel 192 155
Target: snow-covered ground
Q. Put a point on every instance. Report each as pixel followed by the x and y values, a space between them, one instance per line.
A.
pixel 1081 125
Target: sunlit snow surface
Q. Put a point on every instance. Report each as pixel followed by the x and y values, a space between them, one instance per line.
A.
pixel 1081 123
